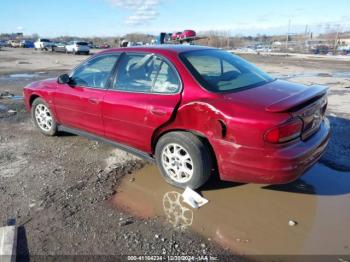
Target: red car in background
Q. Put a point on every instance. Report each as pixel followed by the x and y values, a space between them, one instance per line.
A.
pixel 187 34
pixel 176 36
pixel 192 110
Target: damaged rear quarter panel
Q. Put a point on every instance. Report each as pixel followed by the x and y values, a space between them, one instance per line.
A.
pixel 197 117
pixel 231 130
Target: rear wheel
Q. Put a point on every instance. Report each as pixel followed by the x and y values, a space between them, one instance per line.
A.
pixel 183 159
pixel 43 117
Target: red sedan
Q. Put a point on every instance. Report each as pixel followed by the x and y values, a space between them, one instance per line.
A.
pixel 191 109
pixel 176 36
pixel 187 34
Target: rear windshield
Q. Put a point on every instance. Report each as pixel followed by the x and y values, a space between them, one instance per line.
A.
pixel 45 40
pixel 82 43
pixel 221 71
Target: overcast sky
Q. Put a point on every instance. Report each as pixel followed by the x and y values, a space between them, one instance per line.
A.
pixel 118 17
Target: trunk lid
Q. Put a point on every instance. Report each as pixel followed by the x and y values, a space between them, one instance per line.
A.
pixel 307 102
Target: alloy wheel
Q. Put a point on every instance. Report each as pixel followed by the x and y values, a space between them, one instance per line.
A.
pixel 43 117
pixel 177 163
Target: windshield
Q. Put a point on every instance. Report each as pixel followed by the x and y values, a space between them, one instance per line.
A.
pixel 221 71
pixel 45 40
pixel 82 43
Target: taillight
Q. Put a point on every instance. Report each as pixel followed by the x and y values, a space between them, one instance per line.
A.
pixel 285 132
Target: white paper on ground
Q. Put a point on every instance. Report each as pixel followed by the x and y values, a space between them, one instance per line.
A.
pixel 192 198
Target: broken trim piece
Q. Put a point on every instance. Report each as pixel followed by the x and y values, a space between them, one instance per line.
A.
pixel 193 199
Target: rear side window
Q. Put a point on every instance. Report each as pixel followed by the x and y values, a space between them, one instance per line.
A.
pixel 95 72
pixel 220 71
pixel 146 73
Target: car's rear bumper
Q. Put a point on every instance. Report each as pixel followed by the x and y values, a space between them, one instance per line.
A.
pixel 270 165
pixel 82 49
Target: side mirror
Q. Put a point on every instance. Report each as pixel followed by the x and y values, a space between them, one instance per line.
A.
pixel 63 79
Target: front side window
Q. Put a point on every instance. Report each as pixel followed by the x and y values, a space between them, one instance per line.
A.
pixel 95 72
pixel 220 71
pixel 146 73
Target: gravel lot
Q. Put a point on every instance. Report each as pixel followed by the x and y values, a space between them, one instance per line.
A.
pixel 58 188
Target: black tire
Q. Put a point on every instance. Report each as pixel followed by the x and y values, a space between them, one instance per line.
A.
pixel 198 152
pixel 53 129
pixel 87 53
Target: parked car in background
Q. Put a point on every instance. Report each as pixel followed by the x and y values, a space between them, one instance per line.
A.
pixel 59 47
pixel 78 47
pixel 27 44
pixel 344 50
pixel 187 34
pixel 42 44
pixel 3 43
pixel 176 35
pixel 14 43
pixel 191 109
pixel 320 49
pixel 104 46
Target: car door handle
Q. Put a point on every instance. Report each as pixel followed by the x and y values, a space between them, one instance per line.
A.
pixel 158 111
pixel 94 101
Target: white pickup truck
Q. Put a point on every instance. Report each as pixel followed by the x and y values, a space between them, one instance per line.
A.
pixel 42 44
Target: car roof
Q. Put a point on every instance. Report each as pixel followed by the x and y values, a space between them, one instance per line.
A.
pixel 175 49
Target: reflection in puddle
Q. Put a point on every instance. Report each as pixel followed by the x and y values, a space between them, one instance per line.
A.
pixel 249 218
pixel 175 211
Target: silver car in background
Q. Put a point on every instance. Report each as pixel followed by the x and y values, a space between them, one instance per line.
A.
pixel 78 47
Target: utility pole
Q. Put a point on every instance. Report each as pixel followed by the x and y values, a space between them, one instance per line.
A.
pixel 287 38
pixel 228 39
pixel 336 41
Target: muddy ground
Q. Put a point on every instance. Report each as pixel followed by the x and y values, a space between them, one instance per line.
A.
pixel 72 196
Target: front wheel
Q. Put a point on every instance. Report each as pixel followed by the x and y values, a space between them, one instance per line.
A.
pixel 183 159
pixel 43 117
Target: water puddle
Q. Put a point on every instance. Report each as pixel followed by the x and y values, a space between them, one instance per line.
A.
pixel 8 95
pixel 23 76
pixel 312 74
pixel 16 97
pixel 3 108
pixel 309 216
